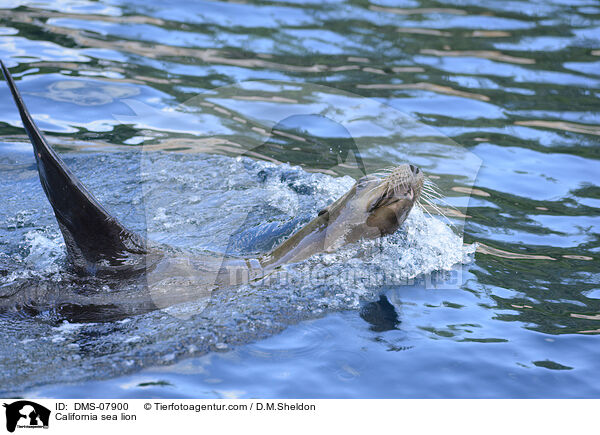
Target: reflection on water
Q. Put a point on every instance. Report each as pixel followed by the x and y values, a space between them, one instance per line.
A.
pixel 515 83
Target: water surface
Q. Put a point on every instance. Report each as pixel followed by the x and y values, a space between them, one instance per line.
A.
pixel 510 90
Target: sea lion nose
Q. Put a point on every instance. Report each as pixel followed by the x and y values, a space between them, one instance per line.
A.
pixel 414 169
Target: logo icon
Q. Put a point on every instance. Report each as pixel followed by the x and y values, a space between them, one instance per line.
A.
pixel 26 414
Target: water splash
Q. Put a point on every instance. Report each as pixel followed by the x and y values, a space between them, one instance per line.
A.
pixel 276 195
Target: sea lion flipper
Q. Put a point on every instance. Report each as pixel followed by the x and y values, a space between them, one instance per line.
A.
pixel 95 240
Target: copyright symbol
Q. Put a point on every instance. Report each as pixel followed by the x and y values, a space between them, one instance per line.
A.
pixel 147 406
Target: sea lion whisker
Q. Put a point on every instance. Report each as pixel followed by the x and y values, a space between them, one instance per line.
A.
pixel 434 194
pixel 432 189
pixel 429 203
pixel 429 181
pixel 383 172
pixel 433 205
pixel 422 207
pixel 446 203
pixel 430 195
pixel 431 186
pixel 439 211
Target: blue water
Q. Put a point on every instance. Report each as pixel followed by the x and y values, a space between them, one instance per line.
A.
pixel 170 115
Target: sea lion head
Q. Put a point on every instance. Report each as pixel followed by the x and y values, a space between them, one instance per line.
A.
pixel 376 205
pixel 390 200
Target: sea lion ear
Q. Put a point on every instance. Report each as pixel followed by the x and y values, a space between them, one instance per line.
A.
pixel 323 211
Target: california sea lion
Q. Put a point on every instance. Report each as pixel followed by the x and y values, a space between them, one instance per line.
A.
pixel 99 245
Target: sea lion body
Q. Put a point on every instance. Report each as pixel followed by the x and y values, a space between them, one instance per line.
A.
pixel 98 245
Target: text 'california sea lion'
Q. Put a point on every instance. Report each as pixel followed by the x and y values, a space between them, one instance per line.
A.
pixel 99 245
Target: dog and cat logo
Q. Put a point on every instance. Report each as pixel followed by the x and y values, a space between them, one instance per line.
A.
pixel 26 414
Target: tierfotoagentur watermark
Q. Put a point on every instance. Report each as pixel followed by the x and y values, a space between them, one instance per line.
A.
pixel 318 128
